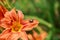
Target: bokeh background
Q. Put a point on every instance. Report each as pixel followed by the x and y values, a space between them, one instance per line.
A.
pixel 47 12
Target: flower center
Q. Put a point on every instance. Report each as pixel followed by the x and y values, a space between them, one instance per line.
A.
pixel 16 27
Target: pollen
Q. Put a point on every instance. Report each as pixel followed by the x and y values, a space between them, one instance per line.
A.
pixel 16 27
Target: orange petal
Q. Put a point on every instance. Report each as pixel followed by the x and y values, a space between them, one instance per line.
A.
pixel 4 25
pixel 23 35
pixel 5 22
pixel 43 35
pixel 20 15
pixel 14 15
pixel 30 25
pixel 36 36
pixel 30 37
pixel 2 11
pixel 5 34
pixel 7 16
pixel 14 36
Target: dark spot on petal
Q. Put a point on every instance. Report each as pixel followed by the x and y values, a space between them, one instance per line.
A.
pixel 16 11
pixel 31 21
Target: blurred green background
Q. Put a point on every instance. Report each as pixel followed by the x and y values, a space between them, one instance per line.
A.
pixel 47 12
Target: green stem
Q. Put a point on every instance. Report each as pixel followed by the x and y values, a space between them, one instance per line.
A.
pixel 51 17
pixel 1 3
pixel 8 4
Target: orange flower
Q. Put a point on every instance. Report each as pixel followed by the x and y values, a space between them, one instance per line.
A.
pixel 16 26
pixel 36 36
pixel 42 36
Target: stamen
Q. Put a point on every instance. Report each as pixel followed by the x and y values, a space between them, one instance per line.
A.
pixel 16 27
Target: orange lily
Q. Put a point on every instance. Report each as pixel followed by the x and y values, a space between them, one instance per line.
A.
pixel 16 26
pixel 42 36
pixel 36 36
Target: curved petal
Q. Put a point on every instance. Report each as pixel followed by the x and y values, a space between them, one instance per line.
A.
pixel 7 16
pixel 30 25
pixel 43 35
pixel 5 23
pixel 36 36
pixel 5 31
pixel 5 34
pixel 23 35
pixel 2 11
pixel 14 36
pixel 30 37
pixel 11 15
pixel 20 15
pixel 14 15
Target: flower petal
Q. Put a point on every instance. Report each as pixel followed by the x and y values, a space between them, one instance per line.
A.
pixel 5 23
pixel 20 15
pixel 36 36
pixel 30 37
pixel 6 20
pixel 43 35
pixel 5 34
pixel 13 15
pixel 7 16
pixel 14 36
pixel 23 35
pixel 2 11
pixel 29 26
